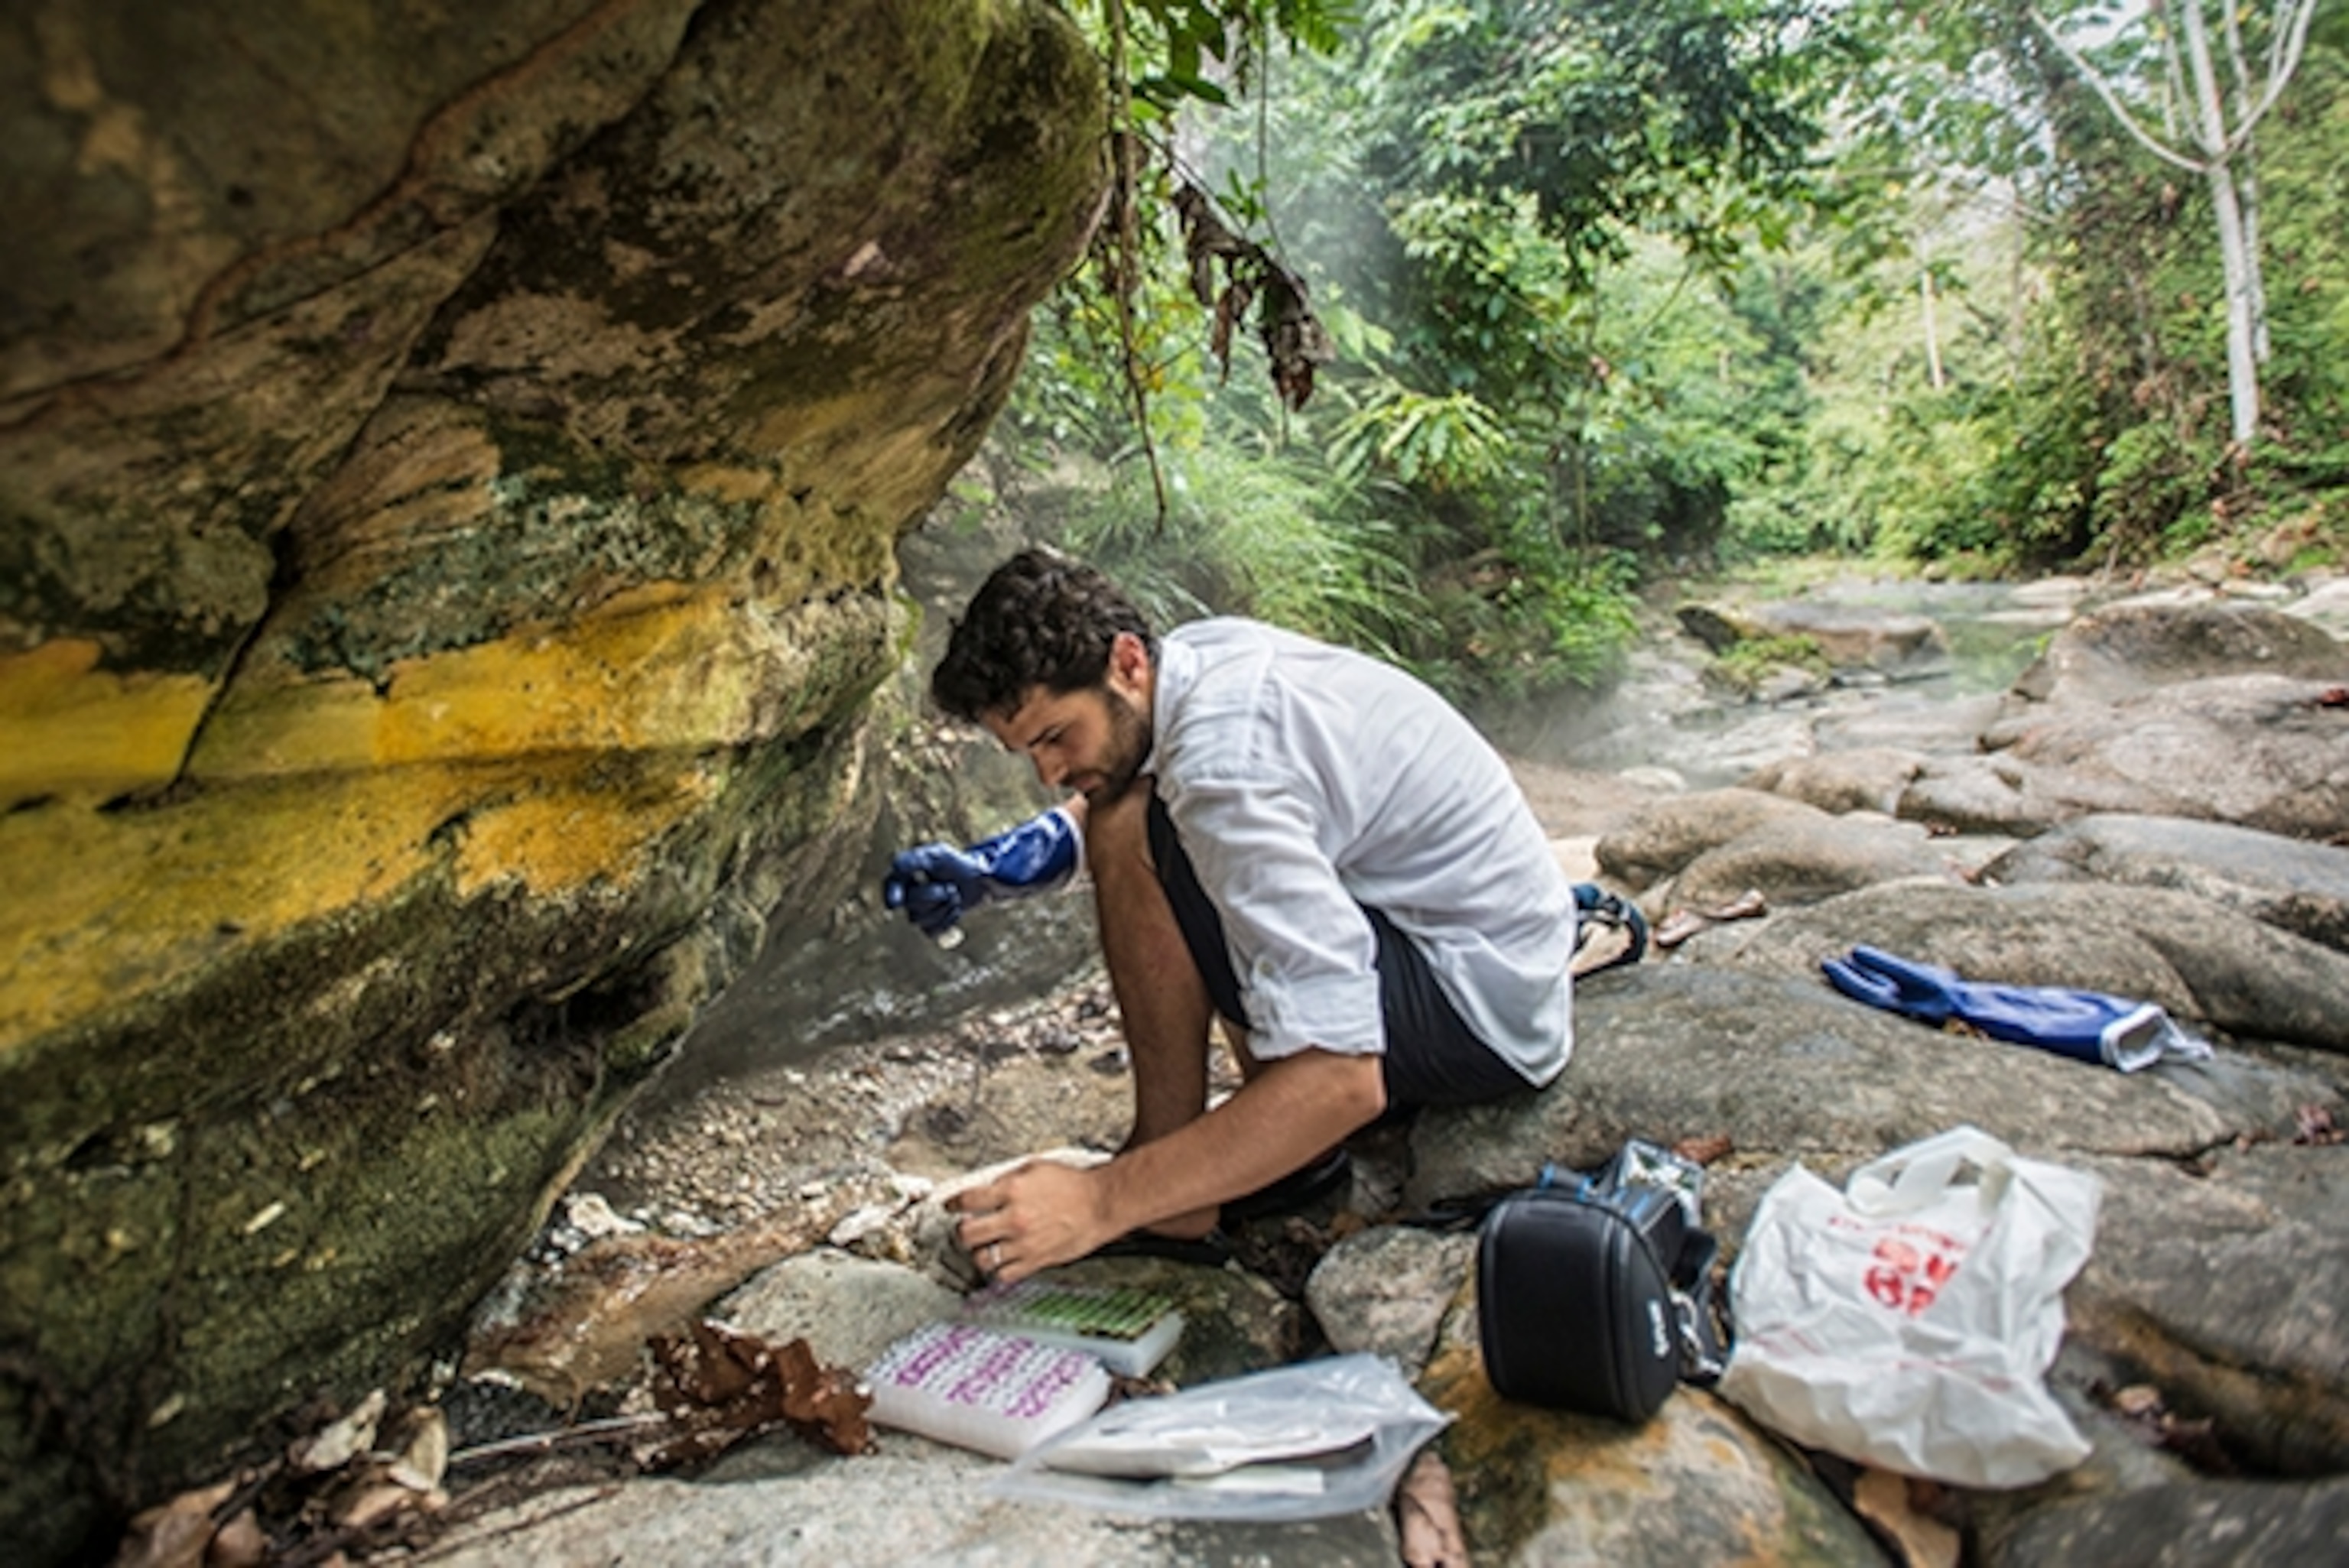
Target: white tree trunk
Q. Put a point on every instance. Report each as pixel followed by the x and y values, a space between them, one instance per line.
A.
pixel 2247 183
pixel 1933 331
pixel 2237 264
pixel 2222 156
pixel 2241 272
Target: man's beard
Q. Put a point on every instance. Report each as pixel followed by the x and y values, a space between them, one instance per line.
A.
pixel 1129 748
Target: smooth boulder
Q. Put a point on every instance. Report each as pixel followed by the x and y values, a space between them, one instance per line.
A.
pixel 2301 887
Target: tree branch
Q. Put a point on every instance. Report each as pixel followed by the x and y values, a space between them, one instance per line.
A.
pixel 2104 90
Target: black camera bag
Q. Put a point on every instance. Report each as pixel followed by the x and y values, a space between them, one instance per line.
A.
pixel 1574 1298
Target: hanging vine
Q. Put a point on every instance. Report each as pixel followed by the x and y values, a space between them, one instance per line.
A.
pixel 1230 273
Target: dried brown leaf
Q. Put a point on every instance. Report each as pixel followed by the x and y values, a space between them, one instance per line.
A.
pixel 239 1544
pixel 372 1504
pixel 1705 1148
pixel 1293 335
pixel 719 1386
pixel 174 1534
pixel 339 1442
pixel 591 1324
pixel 1427 1515
pixel 425 1455
pixel 1294 338
pixel 1886 1501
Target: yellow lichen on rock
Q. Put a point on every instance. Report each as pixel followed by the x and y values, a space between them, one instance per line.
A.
pixel 659 668
pixel 77 731
pixel 102 907
pixel 567 834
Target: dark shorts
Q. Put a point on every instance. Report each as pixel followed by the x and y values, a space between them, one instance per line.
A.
pixel 1431 1057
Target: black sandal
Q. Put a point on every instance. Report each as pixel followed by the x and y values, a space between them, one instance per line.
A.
pixel 1298 1190
pixel 1596 908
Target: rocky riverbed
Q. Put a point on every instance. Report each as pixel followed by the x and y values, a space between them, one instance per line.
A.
pixel 2156 807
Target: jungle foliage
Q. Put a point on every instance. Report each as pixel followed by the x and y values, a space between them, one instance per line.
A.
pixel 1580 293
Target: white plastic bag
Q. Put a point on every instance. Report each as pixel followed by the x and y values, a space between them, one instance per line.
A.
pixel 1909 1321
pixel 1307 1441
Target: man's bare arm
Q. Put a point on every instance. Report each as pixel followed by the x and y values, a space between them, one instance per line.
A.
pixel 1291 1111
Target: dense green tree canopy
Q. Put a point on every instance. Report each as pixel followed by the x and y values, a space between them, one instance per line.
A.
pixel 1612 288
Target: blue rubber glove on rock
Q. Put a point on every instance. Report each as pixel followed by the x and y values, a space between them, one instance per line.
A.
pixel 937 884
pixel 2087 1026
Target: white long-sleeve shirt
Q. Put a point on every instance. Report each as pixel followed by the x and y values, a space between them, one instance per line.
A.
pixel 1307 781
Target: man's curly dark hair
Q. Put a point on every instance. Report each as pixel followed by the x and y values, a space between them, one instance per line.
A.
pixel 1039 619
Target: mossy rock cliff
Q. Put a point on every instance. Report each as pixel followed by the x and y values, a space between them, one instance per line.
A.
pixel 451 463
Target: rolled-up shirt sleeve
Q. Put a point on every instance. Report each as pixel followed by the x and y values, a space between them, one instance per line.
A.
pixel 1302 947
pixel 1308 784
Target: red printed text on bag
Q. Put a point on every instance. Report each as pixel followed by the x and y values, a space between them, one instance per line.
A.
pixel 1909 1265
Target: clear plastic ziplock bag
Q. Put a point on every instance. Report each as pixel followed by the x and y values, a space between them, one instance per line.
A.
pixel 1307 1441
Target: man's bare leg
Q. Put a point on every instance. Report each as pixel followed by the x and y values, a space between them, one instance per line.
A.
pixel 1160 994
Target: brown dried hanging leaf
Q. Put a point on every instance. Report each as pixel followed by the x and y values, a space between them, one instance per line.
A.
pixel 1231 306
pixel 1205 241
pixel 1294 338
pixel 1293 335
pixel 719 1386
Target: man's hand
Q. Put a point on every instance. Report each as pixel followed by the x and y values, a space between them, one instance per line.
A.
pixel 1289 1113
pixel 1042 1214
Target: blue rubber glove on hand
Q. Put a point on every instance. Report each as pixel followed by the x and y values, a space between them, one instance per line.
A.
pixel 2087 1026
pixel 937 884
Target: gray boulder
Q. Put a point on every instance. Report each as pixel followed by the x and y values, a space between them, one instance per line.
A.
pixel 2124 650
pixel 2189 1524
pixel 2264 751
pixel 1386 1290
pixel 2224 1283
pixel 1906 720
pixel 849 1309
pixel 1867 778
pixel 2287 882
pixel 1859 637
pixel 913 1502
pixel 2194 958
pixel 1785 1068
pixel 1661 838
pixel 2002 793
pixel 1805 858
pixel 1848 636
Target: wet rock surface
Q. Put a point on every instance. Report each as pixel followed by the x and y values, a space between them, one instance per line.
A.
pixel 2289 884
